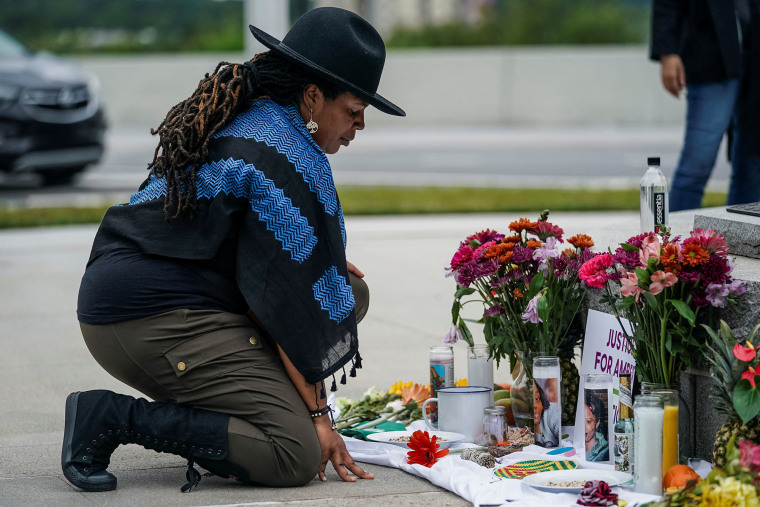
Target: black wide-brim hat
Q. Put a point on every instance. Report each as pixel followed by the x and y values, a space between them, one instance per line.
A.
pixel 340 47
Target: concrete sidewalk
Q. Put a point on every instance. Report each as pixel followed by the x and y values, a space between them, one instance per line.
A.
pixel 44 357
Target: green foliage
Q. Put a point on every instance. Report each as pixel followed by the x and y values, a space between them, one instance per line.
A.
pixel 747 399
pixel 537 22
pixel 82 26
pixel 400 201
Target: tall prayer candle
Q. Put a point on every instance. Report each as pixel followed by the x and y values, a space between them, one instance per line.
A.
pixel 669 428
pixel 648 412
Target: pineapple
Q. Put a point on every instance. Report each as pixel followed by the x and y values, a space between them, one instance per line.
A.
pixel 733 428
pixel 570 380
pixel 570 377
pixel 727 371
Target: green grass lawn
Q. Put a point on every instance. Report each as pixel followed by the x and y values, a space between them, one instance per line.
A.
pixel 400 201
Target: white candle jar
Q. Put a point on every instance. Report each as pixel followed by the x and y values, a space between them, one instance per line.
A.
pixel 648 412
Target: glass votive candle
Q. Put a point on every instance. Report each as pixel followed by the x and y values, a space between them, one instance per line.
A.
pixel 597 418
pixel 648 412
pixel 669 428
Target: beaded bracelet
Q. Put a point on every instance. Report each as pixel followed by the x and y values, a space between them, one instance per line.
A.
pixel 320 411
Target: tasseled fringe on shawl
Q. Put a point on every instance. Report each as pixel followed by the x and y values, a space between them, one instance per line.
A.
pixel 356 362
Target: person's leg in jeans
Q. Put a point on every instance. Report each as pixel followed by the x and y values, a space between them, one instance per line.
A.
pixel 708 114
pixel 745 160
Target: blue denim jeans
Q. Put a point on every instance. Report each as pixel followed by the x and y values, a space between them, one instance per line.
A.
pixel 711 109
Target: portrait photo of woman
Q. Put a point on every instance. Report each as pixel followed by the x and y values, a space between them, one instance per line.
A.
pixel 547 415
pixel 595 425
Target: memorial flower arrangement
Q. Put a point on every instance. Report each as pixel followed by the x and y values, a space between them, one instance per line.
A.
pixel 401 403
pixel 665 286
pixel 734 485
pixel 526 282
pixel 527 285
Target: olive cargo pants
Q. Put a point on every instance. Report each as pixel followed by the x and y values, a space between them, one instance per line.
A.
pixel 221 361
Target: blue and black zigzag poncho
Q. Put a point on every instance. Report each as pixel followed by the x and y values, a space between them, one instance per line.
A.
pixel 268 219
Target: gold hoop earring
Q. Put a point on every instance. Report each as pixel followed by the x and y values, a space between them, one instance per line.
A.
pixel 312 126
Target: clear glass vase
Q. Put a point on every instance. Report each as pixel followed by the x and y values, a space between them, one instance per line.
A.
pixel 522 391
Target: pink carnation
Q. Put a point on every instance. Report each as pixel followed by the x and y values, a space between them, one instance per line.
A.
pixel 594 271
pixel 464 254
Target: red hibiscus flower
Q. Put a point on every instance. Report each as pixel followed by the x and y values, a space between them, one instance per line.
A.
pixel 424 450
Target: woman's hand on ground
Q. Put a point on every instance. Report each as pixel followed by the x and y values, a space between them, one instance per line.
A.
pixel 353 269
pixel 334 450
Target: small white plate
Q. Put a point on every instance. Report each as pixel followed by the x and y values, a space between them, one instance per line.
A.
pixel 540 479
pixel 445 438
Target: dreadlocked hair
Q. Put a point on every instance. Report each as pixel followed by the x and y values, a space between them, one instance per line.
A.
pixel 185 133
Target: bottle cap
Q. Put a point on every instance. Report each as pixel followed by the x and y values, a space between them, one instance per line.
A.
pixel 653 161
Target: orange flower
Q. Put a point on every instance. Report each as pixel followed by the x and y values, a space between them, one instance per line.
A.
pixel 416 392
pixel 570 253
pixel 694 255
pixel 424 450
pixel 500 250
pixel 511 239
pixel 671 258
pixel 533 243
pixel 518 293
pixel 521 225
pixel 581 241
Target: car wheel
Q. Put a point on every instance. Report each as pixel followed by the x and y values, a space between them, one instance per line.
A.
pixel 60 176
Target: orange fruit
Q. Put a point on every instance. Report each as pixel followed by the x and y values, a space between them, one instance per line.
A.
pixel 678 475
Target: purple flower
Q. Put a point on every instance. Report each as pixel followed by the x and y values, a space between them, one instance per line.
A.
pixel 689 276
pixel 628 259
pixel 716 270
pixel 737 288
pixel 522 254
pixel 716 294
pixel 531 312
pixel 453 336
pixel 494 310
pixel 483 237
pixel 547 251
pixel 473 270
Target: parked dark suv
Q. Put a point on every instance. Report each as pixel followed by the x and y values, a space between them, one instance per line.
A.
pixel 51 117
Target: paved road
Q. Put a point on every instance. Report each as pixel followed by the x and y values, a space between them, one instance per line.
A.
pixel 594 157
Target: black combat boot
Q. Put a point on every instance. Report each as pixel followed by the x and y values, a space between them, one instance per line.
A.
pixel 97 422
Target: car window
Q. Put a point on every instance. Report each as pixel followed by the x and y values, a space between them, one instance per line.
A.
pixel 10 46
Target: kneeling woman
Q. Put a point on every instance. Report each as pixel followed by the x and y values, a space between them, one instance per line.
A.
pixel 222 289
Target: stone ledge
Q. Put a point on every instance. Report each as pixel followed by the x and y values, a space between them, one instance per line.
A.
pixel 742 232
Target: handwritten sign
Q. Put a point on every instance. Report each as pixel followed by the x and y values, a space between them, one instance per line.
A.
pixel 605 350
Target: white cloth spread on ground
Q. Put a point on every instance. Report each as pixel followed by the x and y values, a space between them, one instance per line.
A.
pixel 478 484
